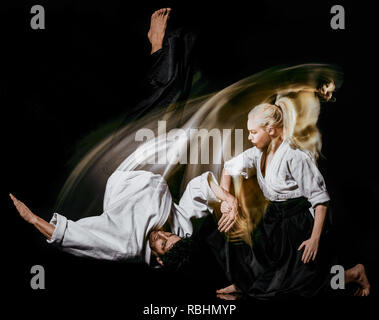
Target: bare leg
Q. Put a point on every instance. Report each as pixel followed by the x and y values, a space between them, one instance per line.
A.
pixel 43 226
pixel 158 24
pixel 358 275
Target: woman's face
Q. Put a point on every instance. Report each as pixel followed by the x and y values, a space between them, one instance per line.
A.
pixel 258 135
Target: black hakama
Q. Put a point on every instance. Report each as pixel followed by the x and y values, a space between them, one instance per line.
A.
pixel 272 266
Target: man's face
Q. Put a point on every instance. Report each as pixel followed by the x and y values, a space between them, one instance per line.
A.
pixel 161 242
pixel 257 134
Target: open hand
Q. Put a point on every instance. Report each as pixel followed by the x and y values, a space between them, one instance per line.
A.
pixel 23 210
pixel 229 210
pixel 310 249
pixel 225 207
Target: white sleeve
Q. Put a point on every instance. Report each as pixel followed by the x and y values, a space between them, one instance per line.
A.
pixel 242 164
pixel 95 237
pixel 135 202
pixel 198 199
pixel 308 178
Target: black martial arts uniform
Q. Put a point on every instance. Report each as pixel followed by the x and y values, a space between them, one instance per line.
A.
pixel 272 266
pixel 170 73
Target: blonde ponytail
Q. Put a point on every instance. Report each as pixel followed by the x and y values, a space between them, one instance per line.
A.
pixel 289 117
pixel 297 114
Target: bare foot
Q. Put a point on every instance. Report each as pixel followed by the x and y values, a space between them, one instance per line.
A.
pixel 358 275
pixel 228 290
pixel 228 296
pixel 24 211
pixel 158 24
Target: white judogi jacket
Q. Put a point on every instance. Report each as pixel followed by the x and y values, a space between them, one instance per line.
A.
pixel 292 173
pixel 135 202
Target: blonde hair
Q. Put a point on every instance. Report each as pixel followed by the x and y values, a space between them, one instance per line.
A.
pixel 267 115
pixel 297 115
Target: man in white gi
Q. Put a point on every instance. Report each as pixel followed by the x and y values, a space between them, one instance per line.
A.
pixel 137 207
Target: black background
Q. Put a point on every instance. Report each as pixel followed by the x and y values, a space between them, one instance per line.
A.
pixel 62 83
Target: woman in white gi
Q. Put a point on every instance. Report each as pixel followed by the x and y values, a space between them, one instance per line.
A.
pixel 285 257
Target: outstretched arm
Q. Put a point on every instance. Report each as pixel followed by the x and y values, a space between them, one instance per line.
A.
pixel 220 192
pixel 43 226
pixel 98 237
